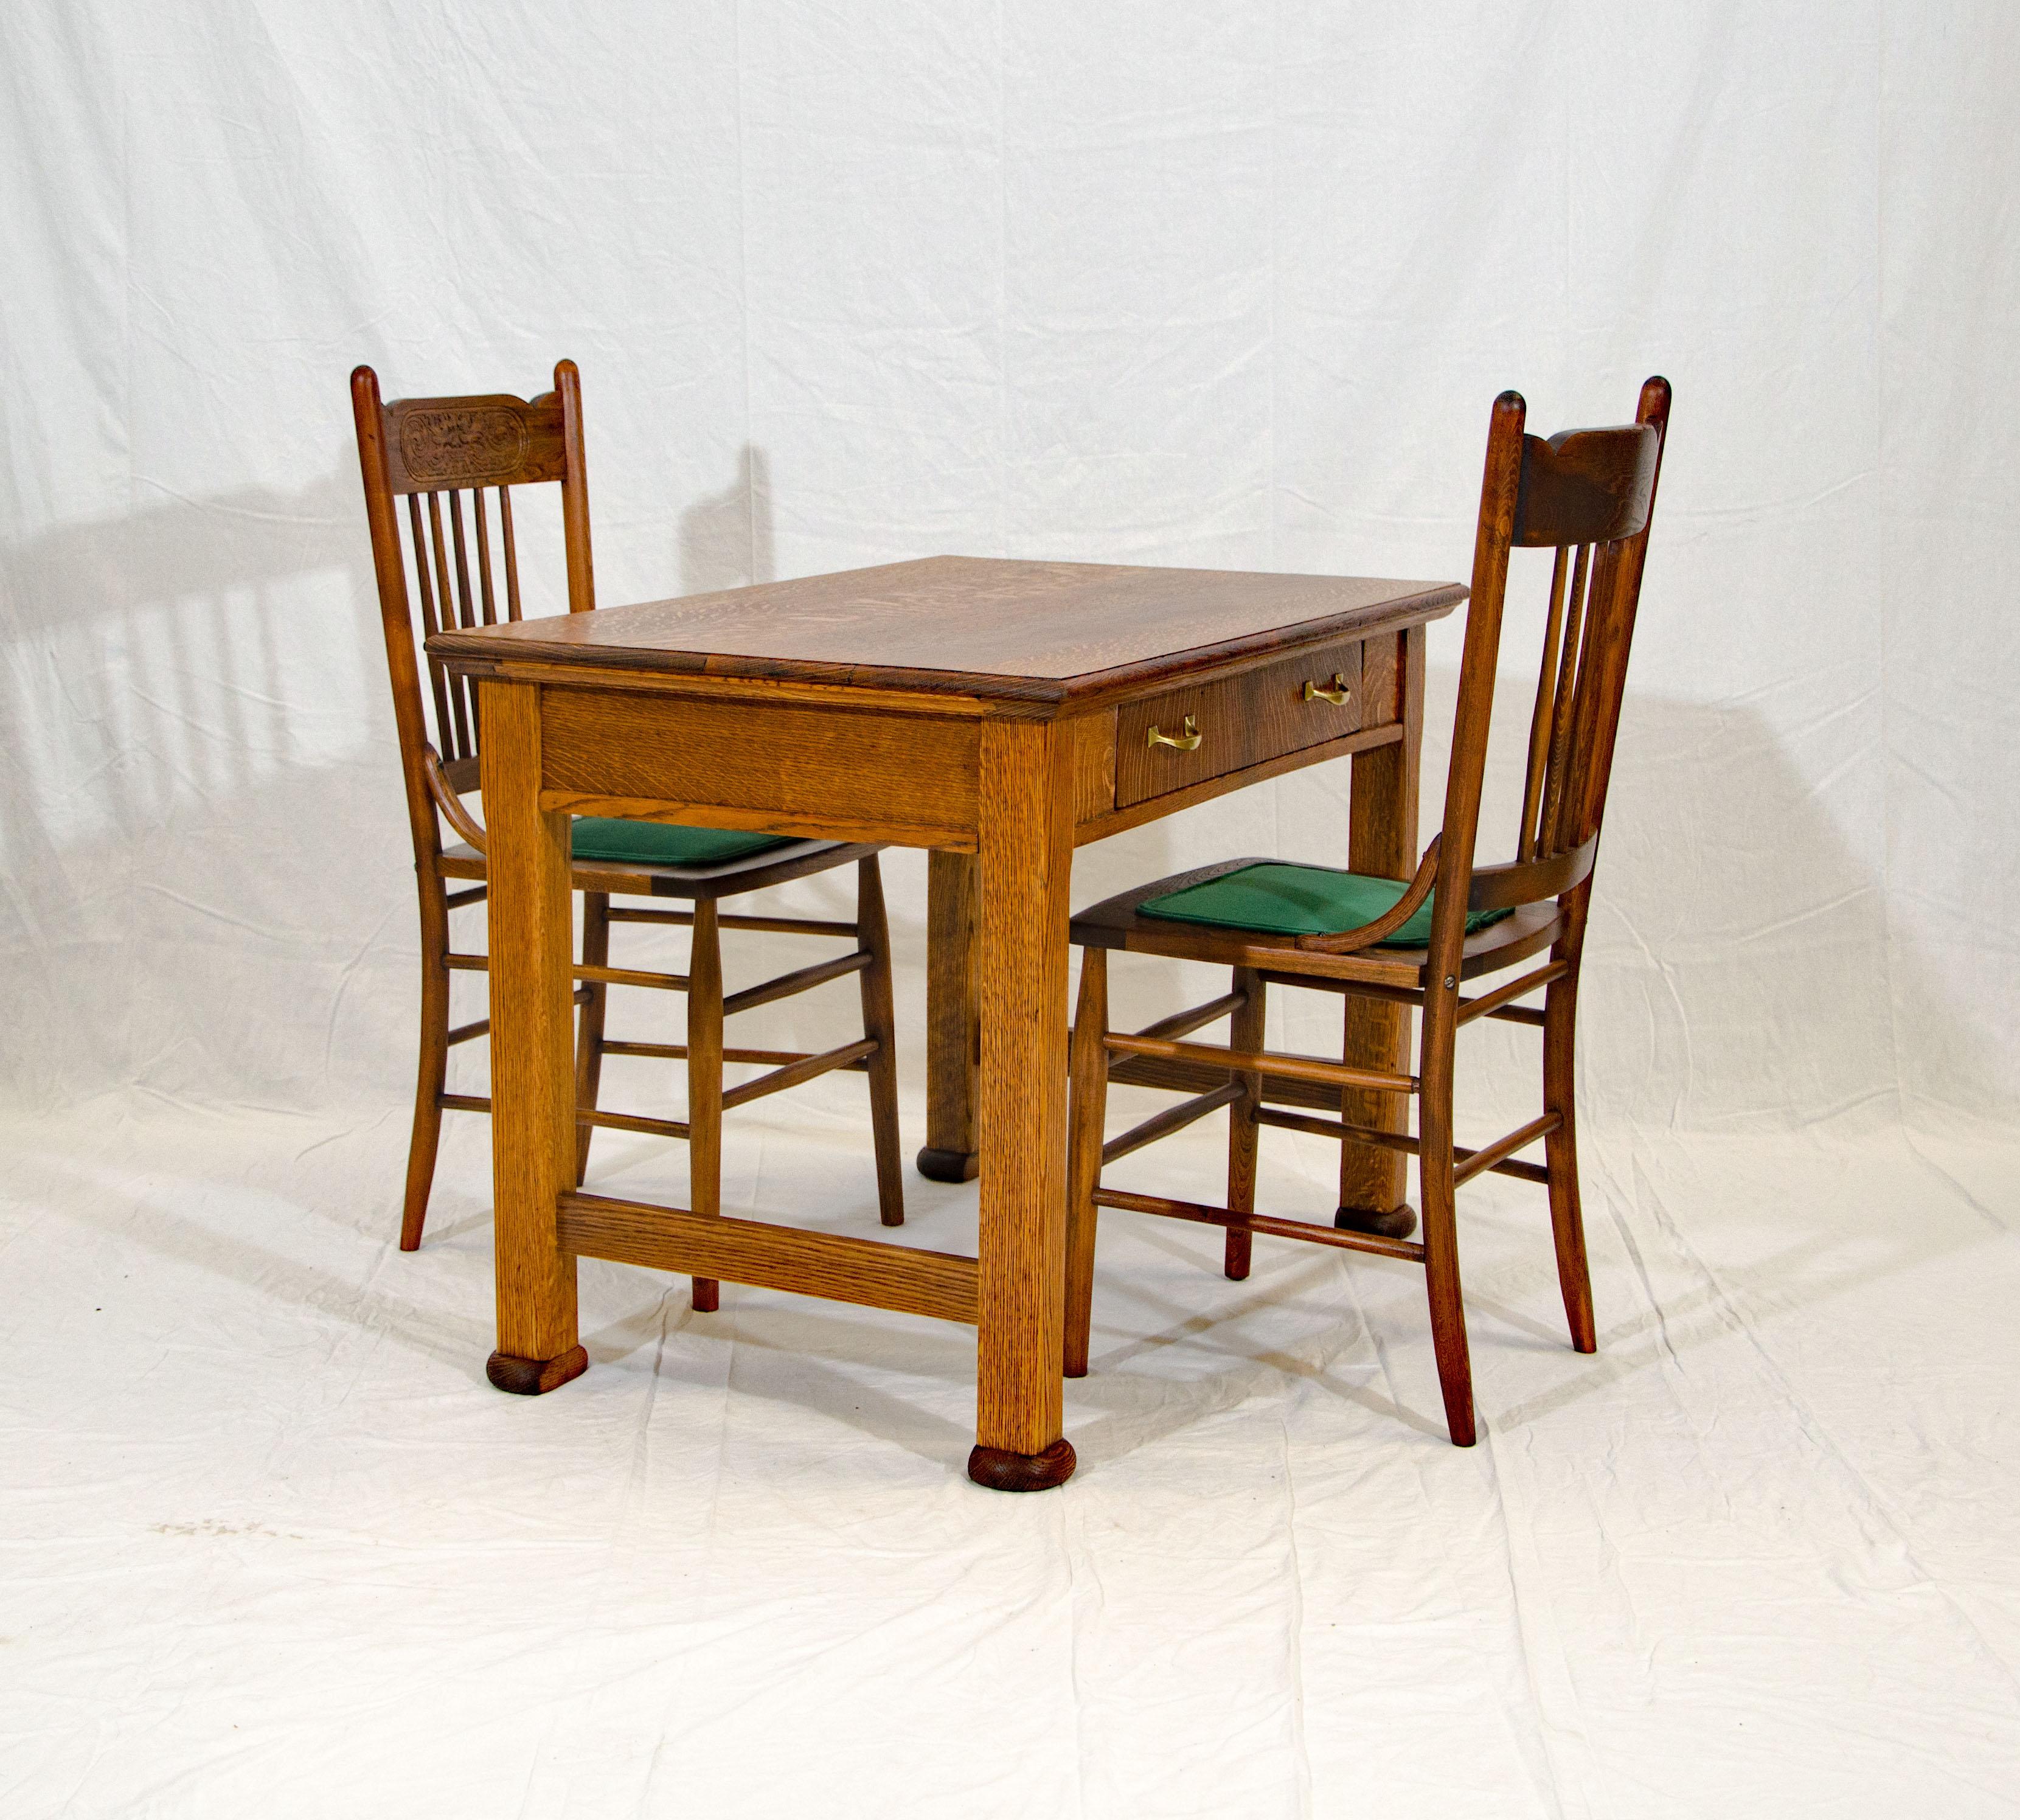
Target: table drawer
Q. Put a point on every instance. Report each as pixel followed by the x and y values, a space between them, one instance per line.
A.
pixel 1237 722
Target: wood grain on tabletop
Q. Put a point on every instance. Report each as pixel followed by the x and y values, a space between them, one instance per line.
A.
pixel 1043 631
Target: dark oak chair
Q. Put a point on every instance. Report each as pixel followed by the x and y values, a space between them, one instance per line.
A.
pixel 1587 495
pixel 432 452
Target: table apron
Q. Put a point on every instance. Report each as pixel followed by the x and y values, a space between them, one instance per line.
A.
pixel 837 773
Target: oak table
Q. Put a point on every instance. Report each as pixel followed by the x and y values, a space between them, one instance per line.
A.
pixel 999 713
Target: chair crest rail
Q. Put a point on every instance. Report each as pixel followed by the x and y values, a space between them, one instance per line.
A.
pixel 1587 486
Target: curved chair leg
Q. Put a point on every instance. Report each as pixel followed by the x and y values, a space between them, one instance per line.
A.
pixel 589 1029
pixel 1244 1032
pixel 705 1082
pixel 1440 1240
pixel 432 1077
pixel 1086 1113
pixel 879 1023
pixel 1447 1311
pixel 1560 1154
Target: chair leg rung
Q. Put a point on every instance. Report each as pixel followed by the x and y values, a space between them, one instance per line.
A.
pixel 677 1053
pixel 1494 1154
pixel 615 1121
pixel 1264 1062
pixel 792 926
pixel 1174 1118
pixel 1501 1164
pixel 1184 1022
pixel 1265 1224
pixel 630 976
pixel 626 1121
pixel 802 980
pixel 1490 1004
pixel 807 1068
pixel 1191 1078
pixel 1500 1001
pixel 776 925
pixel 1337 1129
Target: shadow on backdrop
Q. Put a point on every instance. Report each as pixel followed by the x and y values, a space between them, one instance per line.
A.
pixel 724 539
pixel 206 869
pixel 207 890
pixel 189 687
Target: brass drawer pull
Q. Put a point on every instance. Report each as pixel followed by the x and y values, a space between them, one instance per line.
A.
pixel 1337 694
pixel 1187 739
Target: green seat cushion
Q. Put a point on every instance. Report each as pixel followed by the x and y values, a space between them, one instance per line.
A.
pixel 660 844
pixel 1301 900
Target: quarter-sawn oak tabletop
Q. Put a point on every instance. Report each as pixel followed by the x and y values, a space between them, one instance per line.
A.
pixel 1066 634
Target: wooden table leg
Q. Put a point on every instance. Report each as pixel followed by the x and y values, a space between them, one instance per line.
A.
pixel 952 1049
pixel 1382 838
pixel 533 1059
pixel 1025 863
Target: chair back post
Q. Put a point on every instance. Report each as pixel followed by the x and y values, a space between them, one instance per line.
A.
pixel 395 613
pixel 1499 495
pixel 575 491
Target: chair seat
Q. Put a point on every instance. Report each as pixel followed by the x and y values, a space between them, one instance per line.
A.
pixel 1120 922
pixel 664 844
pixel 1272 897
pixel 764 860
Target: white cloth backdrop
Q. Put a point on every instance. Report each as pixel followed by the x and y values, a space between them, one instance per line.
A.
pixel 1175 283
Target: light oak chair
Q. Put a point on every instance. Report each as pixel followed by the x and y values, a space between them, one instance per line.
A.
pixel 432 452
pixel 1587 495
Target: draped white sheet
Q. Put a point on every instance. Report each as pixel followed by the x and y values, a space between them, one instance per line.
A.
pixel 1175 283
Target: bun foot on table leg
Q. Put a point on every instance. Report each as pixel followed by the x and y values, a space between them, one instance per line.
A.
pixel 1398 1223
pixel 948 1165
pixel 535 1377
pixel 998 1470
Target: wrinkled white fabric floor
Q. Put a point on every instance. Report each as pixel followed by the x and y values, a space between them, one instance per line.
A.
pixel 273 1546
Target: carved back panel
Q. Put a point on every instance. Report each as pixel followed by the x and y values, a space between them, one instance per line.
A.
pixel 500 441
